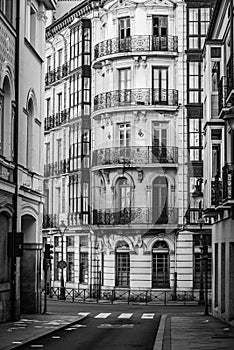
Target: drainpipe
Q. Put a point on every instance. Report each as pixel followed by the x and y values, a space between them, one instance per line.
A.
pixel 15 172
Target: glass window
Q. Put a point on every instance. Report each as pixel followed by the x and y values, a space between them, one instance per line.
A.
pixel 195 83
pixel 56 269
pixel 160 265
pixel 124 134
pixel 198 23
pixel 160 201
pixel 122 265
pixel 194 139
pixel 84 268
pixel 70 270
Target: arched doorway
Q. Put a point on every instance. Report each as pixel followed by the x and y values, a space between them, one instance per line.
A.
pixel 160 200
pixel 160 265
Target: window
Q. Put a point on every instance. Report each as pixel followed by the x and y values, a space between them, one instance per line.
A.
pixel 48 64
pixel 58 200
pixel 7 110
pixel 84 241
pixel 56 241
pixel 159 141
pixel 215 75
pixel 216 160
pixel 124 34
pixel 48 107
pixel 47 155
pixel 195 139
pixel 160 201
pixel 84 268
pixel 6 6
pixel 160 31
pixel 124 85
pixel 122 265
pixel 1 123
pixel 70 267
pixel 160 85
pixel 32 25
pixel 85 203
pixel 29 135
pixel 198 22
pixel 59 151
pixel 123 201
pixel 160 265
pixel 195 82
pixel 60 57
pixel 124 134
pixel 60 102
pixel 80 51
pixel 85 156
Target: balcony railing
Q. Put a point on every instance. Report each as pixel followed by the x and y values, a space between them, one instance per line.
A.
pixel 50 221
pixel 135 155
pixel 230 75
pixel 56 74
pixel 228 182
pixel 137 43
pixel 222 92
pixel 129 97
pixel 57 119
pixel 56 168
pixel 138 215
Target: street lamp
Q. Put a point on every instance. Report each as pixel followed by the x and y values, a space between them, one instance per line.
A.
pixel 62 263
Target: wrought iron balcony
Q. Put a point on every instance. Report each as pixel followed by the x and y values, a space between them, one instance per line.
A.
pixel 137 43
pixel 228 183
pixel 135 155
pixel 57 119
pixel 134 216
pixel 56 74
pixel 230 75
pixel 130 97
pixel 222 93
pixel 56 168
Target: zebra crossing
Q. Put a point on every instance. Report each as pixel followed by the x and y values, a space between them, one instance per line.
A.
pixel 126 316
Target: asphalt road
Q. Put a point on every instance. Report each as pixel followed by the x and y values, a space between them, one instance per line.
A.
pixel 105 329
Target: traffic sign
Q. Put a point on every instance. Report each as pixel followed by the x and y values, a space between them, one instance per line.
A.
pixel 62 264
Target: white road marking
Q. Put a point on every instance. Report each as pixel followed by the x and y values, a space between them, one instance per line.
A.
pixel 147 316
pixel 37 346
pixel 55 337
pixel 83 313
pixel 125 316
pixel 79 325
pixel 102 315
pixel 106 325
pixel 17 342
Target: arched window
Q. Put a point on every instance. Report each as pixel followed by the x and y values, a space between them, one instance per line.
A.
pixel 160 265
pixel 160 201
pixel 29 147
pixel 6 124
pixel 122 258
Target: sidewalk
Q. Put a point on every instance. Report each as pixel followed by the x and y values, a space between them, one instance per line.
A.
pixel 193 331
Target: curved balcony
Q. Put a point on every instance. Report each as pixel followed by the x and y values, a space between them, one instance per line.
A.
pixel 137 215
pixel 130 97
pixel 135 155
pixel 136 43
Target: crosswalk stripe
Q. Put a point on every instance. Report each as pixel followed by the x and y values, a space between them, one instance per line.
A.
pixel 147 316
pixel 102 315
pixel 125 316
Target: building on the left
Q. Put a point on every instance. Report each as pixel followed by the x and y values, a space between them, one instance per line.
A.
pixel 22 36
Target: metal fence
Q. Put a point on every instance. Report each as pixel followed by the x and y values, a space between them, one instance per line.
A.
pixel 127 296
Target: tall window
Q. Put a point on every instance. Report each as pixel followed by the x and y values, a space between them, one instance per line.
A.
pixel 56 269
pixel 47 155
pixel 160 265
pixel 48 107
pixel 198 22
pixel 1 122
pixel 125 85
pixel 60 102
pixel 85 202
pixel 160 85
pixel 70 267
pixel 124 34
pixel 84 268
pixel 159 141
pixel 124 134
pixel 29 147
pixel 160 201
pixel 60 57
pixel 195 82
pixel 85 156
pixel 59 151
pixel 33 19
pixel 122 265
pixel 6 6
pixel 48 64
pixel 80 45
pixel 195 139
pixel 160 31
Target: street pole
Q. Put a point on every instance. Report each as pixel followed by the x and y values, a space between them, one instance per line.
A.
pixel 205 257
pixel 201 292
pixel 45 265
pixel 62 289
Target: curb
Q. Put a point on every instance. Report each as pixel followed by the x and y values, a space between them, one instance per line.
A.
pixel 33 338
pixel 158 344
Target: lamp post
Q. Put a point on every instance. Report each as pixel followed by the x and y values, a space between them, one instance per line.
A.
pixel 62 263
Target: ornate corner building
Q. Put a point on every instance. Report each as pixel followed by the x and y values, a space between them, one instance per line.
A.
pixel 22 28
pixel 123 145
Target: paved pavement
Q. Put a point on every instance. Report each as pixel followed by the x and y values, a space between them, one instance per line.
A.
pixel 182 331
